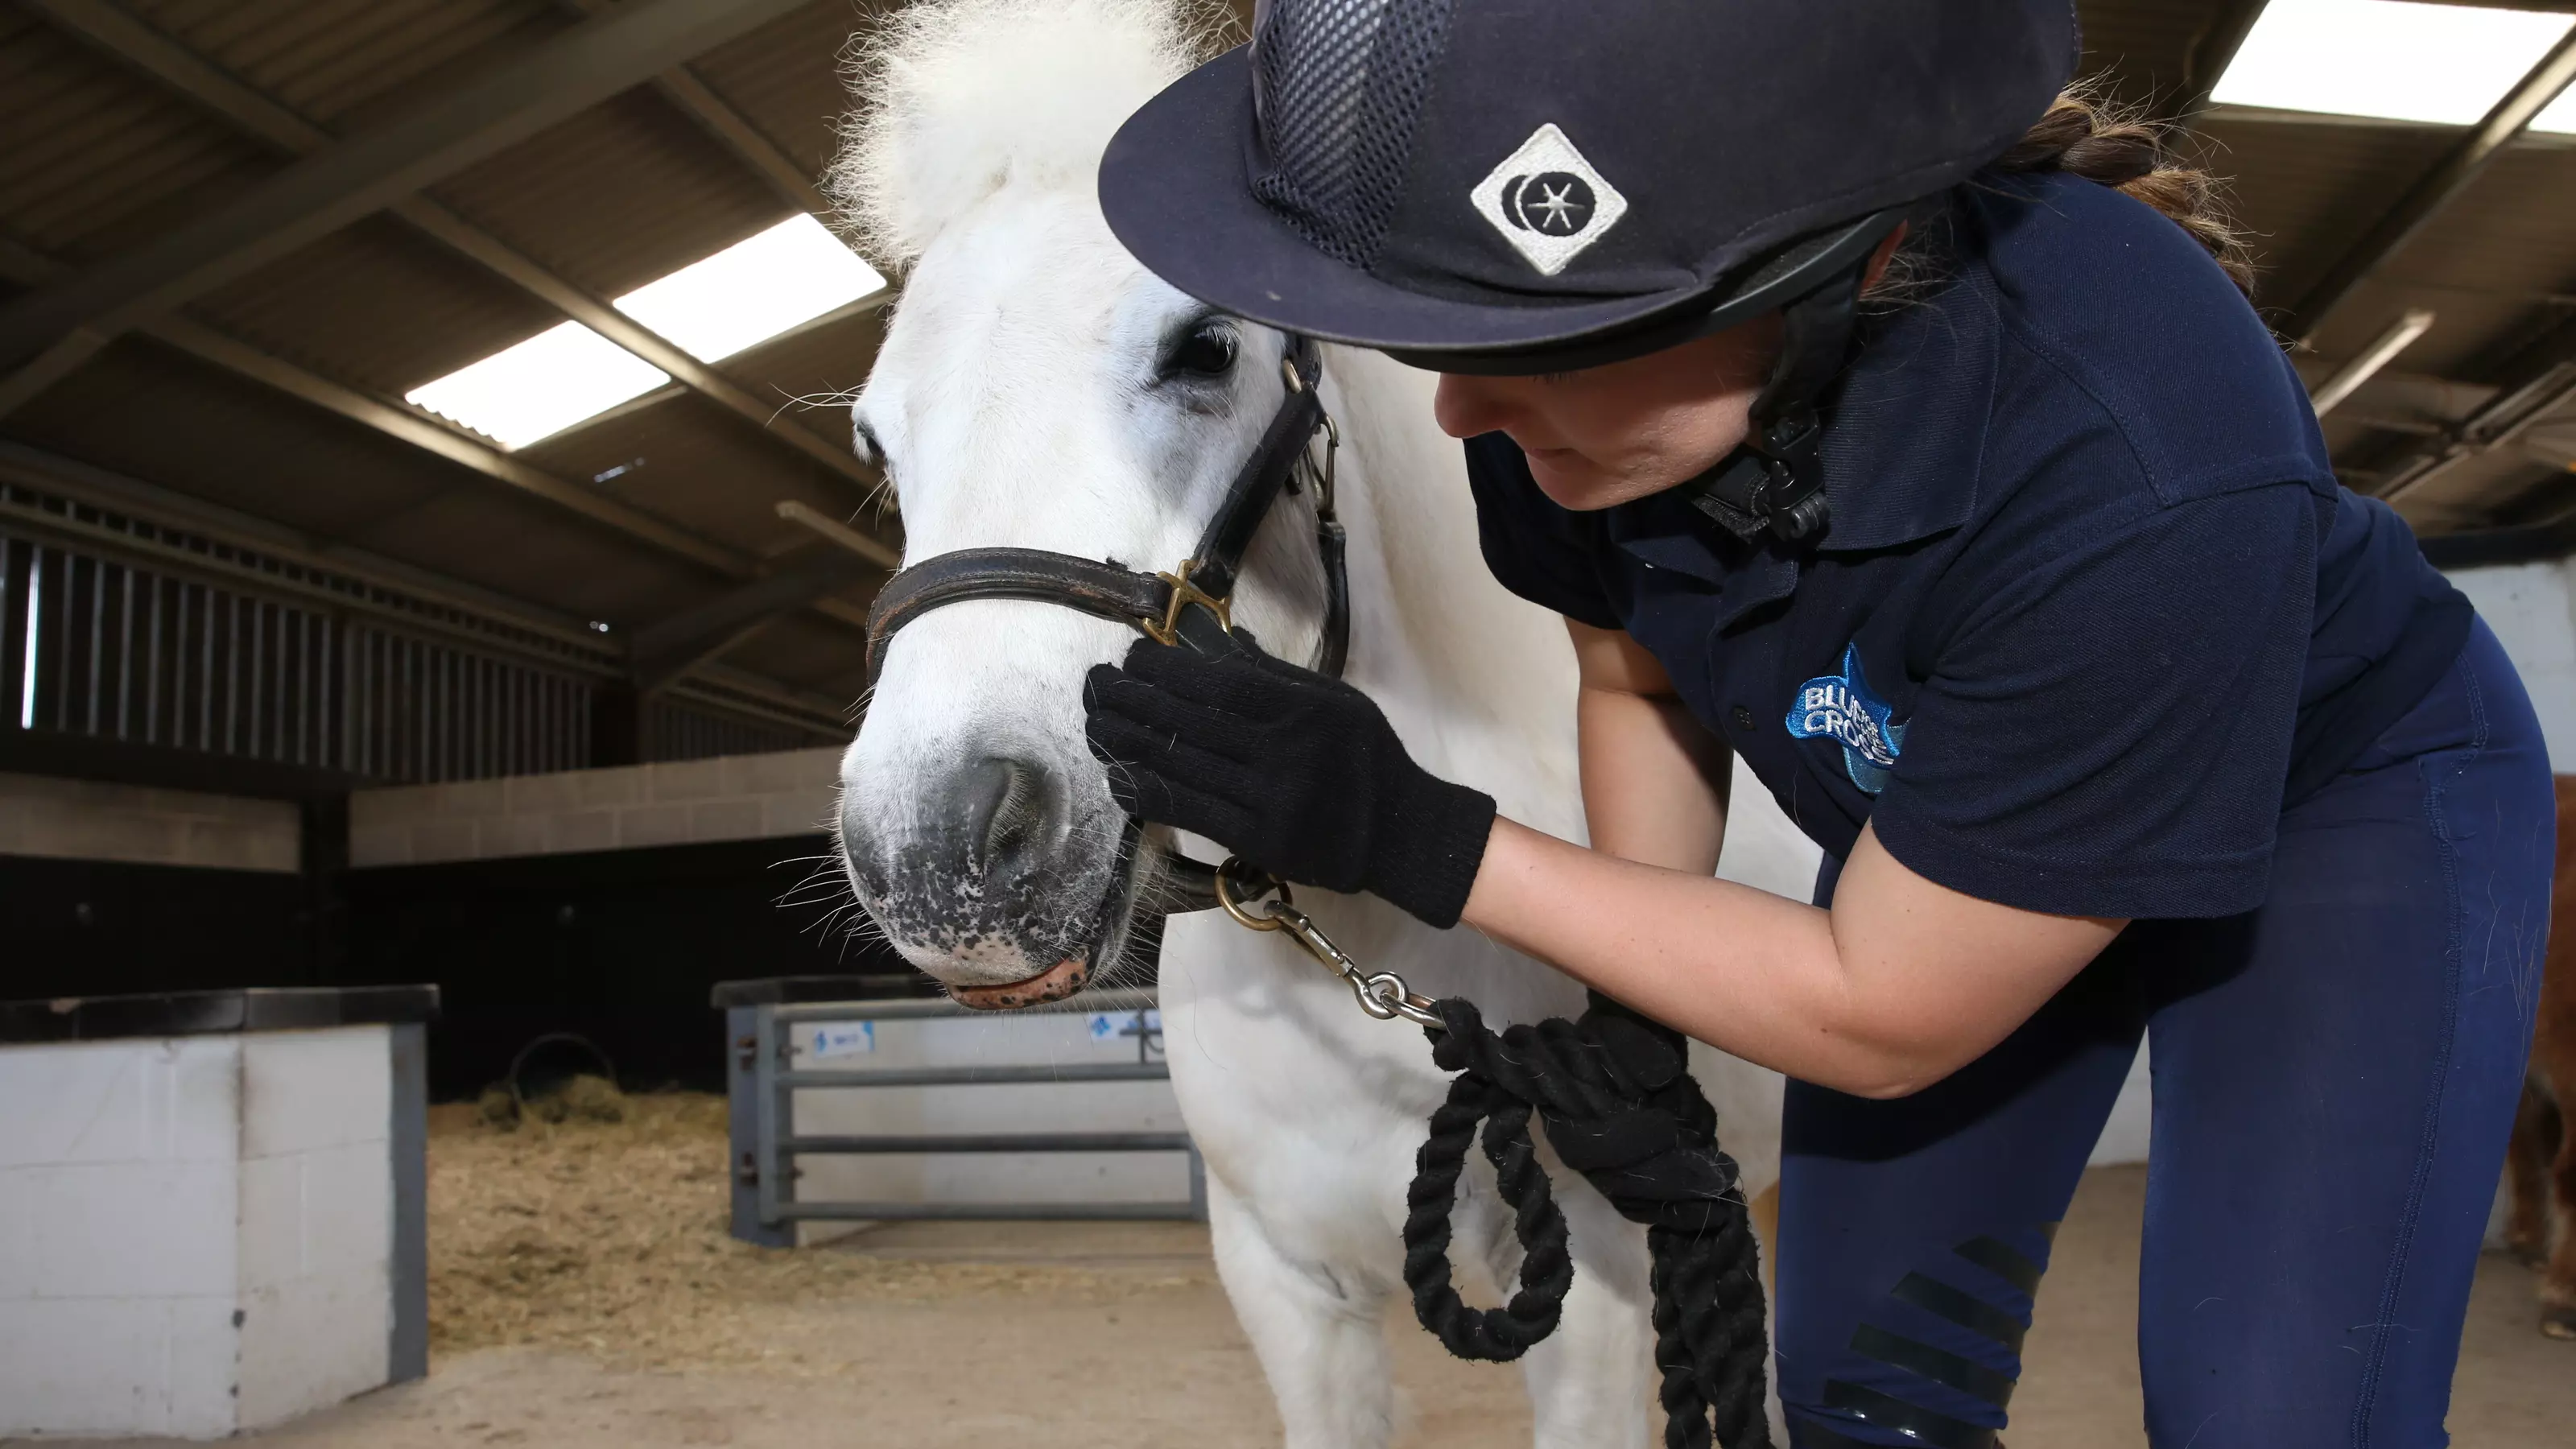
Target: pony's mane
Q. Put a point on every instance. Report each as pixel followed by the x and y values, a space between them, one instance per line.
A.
pixel 955 99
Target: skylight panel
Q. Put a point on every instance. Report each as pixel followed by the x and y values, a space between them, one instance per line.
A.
pixel 2391 59
pixel 2560 116
pixel 753 290
pixel 540 387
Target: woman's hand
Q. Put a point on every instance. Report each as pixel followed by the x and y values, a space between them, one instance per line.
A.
pixel 1299 774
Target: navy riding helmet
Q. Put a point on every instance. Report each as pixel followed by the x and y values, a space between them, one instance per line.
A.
pixel 1531 186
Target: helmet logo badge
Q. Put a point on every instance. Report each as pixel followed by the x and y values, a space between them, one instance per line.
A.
pixel 1548 202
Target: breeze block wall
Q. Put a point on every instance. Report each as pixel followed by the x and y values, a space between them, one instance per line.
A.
pixel 204 1235
pixel 680 802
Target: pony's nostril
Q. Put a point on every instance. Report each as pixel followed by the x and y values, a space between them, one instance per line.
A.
pixel 1001 812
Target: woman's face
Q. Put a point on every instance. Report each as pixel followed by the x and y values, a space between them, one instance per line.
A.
pixel 1609 434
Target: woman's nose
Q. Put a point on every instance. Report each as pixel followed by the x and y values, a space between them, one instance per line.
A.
pixel 1469 406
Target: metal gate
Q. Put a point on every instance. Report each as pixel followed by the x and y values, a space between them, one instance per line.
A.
pixel 762 1081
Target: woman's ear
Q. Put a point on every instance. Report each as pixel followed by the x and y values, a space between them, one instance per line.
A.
pixel 1886 253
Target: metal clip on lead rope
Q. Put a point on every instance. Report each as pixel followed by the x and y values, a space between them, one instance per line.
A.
pixel 1267 906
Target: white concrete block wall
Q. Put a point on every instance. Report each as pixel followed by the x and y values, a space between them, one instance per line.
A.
pixel 196 1233
pixel 78 820
pixel 684 802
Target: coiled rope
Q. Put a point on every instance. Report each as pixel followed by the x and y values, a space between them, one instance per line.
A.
pixel 1619 1107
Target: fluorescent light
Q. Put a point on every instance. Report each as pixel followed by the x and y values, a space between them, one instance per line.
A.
pixel 2442 64
pixel 540 387
pixel 753 290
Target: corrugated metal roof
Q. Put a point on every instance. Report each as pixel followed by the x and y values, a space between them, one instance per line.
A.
pixel 688 461
pixel 340 62
pixel 97 157
pixel 617 196
pixel 785 77
pixel 94 163
pixel 2141 46
pixel 378 305
pixel 236 443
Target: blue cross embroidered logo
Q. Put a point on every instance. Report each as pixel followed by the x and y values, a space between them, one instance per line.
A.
pixel 1840 707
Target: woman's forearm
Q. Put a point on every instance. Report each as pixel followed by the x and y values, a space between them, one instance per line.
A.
pixel 1741 969
pixel 1904 982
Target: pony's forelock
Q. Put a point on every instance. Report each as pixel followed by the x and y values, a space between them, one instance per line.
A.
pixel 955 99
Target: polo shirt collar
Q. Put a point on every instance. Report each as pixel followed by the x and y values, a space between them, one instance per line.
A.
pixel 1905 433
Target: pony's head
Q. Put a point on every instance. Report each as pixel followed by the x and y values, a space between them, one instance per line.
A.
pixel 1039 389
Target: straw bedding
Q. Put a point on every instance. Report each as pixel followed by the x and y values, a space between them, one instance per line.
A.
pixel 603 1232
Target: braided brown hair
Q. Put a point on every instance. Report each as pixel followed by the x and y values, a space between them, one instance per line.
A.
pixel 2090 137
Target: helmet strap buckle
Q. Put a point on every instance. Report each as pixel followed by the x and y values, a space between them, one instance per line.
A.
pixel 1774 482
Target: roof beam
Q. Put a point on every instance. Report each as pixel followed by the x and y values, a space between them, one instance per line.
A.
pixel 2367 363
pixel 113 29
pixel 331 188
pixel 665 650
pixel 2544 390
pixel 434 434
pixel 682 87
pixel 2435 190
pixel 839 534
pixel 2213 50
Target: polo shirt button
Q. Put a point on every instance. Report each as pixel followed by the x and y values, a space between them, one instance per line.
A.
pixel 1743 718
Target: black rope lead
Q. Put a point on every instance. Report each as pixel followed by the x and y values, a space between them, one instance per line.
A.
pixel 1620 1108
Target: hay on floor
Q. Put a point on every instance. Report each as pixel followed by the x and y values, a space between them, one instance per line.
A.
pixel 604 1233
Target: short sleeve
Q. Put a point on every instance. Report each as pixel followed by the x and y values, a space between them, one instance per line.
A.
pixel 2107 726
pixel 1543 552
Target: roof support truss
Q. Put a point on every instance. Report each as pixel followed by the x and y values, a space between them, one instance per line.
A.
pixel 433 434
pixel 2435 190
pixel 111 28
pixel 335 186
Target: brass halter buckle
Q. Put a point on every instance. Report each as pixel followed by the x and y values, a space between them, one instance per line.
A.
pixel 1184 594
pixel 1241 890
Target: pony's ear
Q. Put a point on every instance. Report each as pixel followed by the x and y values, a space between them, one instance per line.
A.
pixel 955 99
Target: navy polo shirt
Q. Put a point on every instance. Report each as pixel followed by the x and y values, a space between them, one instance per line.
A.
pixel 2092 606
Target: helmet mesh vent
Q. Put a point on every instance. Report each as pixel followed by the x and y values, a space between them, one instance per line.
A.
pixel 1337 88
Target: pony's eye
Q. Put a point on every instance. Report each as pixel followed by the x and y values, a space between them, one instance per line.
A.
pixel 1208 352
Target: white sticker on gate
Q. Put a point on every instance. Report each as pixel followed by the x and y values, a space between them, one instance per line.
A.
pixel 840 1039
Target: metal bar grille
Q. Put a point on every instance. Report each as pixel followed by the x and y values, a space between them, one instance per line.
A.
pixel 124 630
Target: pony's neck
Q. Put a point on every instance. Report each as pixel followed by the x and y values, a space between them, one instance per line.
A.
pixel 1481 683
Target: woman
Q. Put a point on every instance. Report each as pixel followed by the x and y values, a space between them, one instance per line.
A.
pixel 1856 429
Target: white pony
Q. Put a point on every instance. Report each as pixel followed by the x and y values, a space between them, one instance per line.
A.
pixel 1038 388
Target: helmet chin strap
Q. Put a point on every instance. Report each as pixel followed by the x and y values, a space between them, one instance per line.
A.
pixel 1774 480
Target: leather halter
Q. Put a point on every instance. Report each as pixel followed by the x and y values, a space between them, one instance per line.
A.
pixel 1160 605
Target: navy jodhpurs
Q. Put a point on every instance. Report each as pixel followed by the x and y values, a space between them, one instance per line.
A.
pixel 2335 1078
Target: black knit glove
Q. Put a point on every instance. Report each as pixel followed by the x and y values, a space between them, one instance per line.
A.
pixel 1297 773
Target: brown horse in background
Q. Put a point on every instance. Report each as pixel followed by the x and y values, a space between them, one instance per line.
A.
pixel 2541 1168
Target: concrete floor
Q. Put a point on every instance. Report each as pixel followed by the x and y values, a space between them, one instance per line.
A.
pixel 1148 1357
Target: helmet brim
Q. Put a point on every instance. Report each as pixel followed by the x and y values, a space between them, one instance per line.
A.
pixel 1173 186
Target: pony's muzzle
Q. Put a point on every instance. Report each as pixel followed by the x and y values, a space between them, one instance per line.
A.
pixel 979 877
